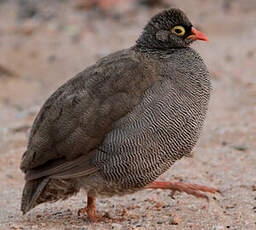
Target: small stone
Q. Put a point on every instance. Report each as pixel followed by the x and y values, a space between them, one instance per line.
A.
pixel 133 207
pixel 57 213
pixel 159 205
pixel 107 215
pixel 175 220
pixel 240 147
pixel 224 143
pixel 27 30
pixel 51 58
pixel 254 188
pixel 133 217
pixel 5 72
pixel 250 54
pixel 230 206
pixel 229 58
pixel 16 227
pixel 116 226
pixel 124 212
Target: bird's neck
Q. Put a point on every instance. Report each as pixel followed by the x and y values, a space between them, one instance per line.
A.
pixel 157 51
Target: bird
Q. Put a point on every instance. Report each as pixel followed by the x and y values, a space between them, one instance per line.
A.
pixel 118 125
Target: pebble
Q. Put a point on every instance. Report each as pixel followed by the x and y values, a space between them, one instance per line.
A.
pixel 6 72
pixel 116 226
pixel 250 54
pixel 175 220
pixel 17 227
pixel 240 147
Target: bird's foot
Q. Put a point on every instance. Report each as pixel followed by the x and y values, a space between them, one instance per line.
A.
pixel 192 189
pixel 92 216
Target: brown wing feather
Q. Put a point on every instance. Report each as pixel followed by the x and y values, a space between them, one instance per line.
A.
pixel 61 168
pixel 75 119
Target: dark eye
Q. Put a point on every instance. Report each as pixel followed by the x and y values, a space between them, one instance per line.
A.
pixel 178 30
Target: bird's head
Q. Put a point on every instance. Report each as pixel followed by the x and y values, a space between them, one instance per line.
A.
pixel 169 29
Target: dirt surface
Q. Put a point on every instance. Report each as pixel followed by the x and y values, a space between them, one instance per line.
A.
pixel 43 45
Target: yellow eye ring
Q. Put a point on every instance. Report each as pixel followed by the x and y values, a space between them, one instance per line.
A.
pixel 178 30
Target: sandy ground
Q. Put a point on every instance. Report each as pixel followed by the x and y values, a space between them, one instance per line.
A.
pixel 38 54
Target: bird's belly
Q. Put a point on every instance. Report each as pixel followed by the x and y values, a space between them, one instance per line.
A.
pixel 102 187
pixel 135 158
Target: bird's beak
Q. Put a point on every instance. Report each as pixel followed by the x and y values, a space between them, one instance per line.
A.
pixel 197 35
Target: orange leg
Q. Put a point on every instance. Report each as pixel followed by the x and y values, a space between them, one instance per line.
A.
pixel 90 209
pixel 193 189
pixel 92 214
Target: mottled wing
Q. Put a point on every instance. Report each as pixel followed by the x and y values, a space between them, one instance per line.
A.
pixel 76 118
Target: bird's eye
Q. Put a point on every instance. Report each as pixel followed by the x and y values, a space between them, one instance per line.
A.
pixel 178 30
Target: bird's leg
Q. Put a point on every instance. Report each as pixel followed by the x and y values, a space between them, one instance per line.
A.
pixel 92 213
pixel 91 208
pixel 193 189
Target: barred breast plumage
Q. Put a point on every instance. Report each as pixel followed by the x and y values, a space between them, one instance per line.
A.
pixel 162 128
pixel 119 124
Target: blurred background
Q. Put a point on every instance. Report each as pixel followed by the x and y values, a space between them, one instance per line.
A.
pixel 44 43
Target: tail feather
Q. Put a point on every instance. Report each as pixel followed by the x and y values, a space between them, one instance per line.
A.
pixel 46 190
pixel 31 192
pixel 56 180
